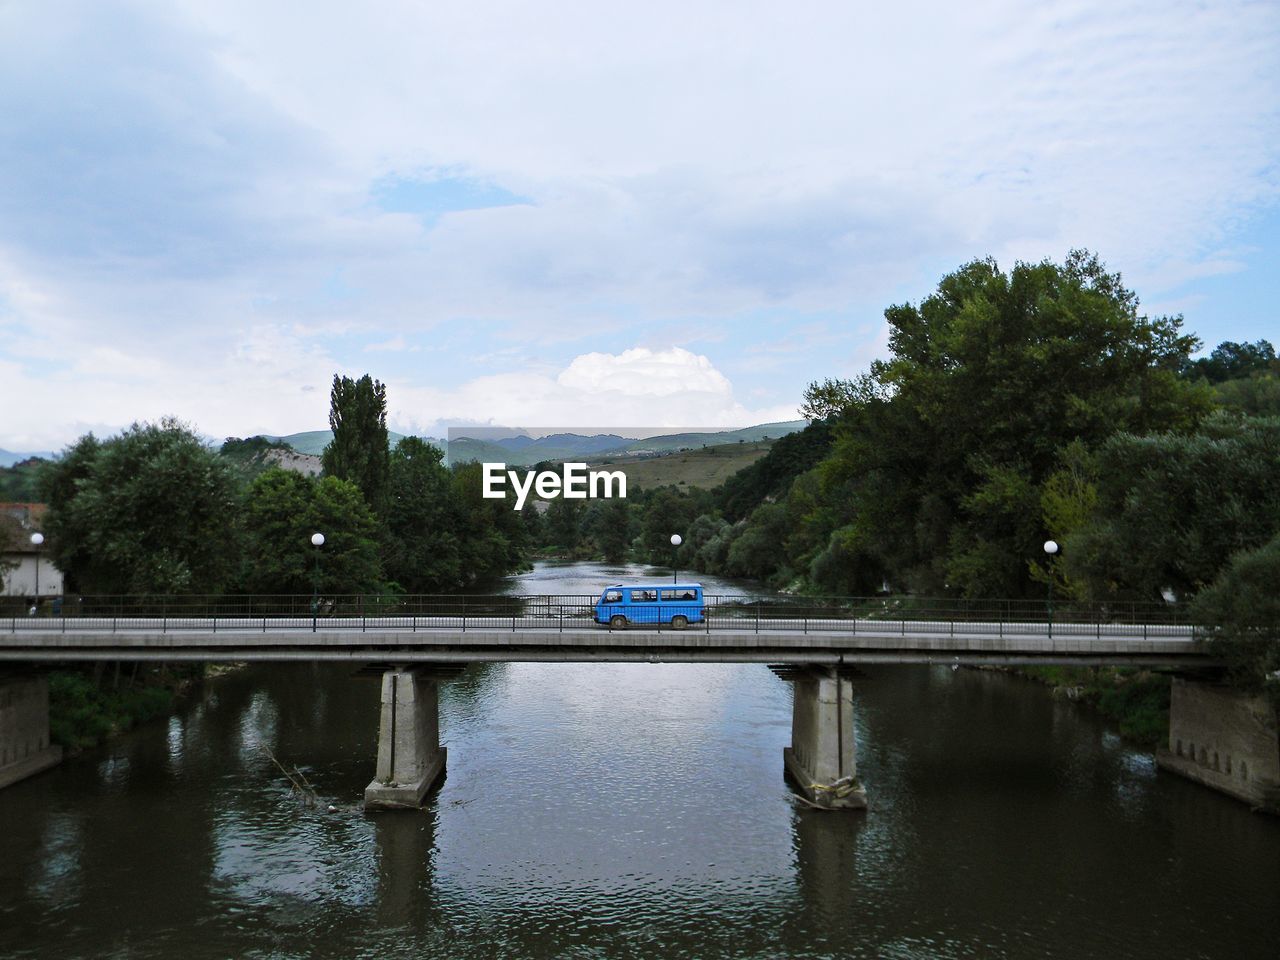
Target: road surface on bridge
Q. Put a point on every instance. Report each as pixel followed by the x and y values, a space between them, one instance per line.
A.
pixel 436 639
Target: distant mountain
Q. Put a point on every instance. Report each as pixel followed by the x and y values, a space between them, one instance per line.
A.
pixel 314 441
pixel 9 458
pixel 522 450
pixel 695 441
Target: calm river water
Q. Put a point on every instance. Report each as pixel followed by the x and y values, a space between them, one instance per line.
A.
pixel 631 810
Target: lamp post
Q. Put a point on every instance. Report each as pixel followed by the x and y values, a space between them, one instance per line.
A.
pixel 37 539
pixel 1050 549
pixel 317 541
pixel 676 540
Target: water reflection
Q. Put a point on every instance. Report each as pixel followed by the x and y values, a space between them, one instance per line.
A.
pixel 405 847
pixel 633 810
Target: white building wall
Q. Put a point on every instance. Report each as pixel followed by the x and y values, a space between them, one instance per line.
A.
pixel 20 580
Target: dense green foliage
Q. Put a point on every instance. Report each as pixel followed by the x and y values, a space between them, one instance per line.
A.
pixel 944 468
pixel 422 551
pixel 149 511
pixel 21 482
pixel 282 510
pixel 988 380
pixel 85 707
pixel 491 535
pixel 770 476
pixel 1236 361
pixel 1173 508
pixel 155 511
pixel 360 450
pixel 1242 606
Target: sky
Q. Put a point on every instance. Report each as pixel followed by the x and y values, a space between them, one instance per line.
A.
pixel 609 213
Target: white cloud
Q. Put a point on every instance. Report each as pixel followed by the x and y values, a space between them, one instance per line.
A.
pixel 185 189
pixel 276 382
pixel 637 387
pixel 641 372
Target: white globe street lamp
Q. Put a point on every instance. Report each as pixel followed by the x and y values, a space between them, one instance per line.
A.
pixel 37 539
pixel 676 540
pixel 317 541
pixel 1050 549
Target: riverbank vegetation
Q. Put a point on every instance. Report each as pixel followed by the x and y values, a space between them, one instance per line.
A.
pixel 1136 701
pixel 89 705
pixel 154 511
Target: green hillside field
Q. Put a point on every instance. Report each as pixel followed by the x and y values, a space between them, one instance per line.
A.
pixel 702 468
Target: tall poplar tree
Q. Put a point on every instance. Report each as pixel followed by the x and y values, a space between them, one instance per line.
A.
pixel 359 450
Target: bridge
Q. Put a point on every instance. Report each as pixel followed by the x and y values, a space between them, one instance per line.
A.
pixel 417 643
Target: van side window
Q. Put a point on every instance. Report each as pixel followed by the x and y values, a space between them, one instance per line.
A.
pixel 613 596
pixel 644 596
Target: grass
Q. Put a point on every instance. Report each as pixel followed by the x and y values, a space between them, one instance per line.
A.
pixel 701 468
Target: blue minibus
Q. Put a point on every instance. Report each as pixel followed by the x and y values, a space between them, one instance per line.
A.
pixel 677 604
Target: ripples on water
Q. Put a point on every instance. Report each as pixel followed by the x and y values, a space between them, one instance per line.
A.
pixel 631 810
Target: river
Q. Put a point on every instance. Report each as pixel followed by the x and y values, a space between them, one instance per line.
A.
pixel 631 810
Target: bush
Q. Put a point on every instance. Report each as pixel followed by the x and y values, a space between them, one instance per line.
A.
pixel 1242 610
pixel 82 715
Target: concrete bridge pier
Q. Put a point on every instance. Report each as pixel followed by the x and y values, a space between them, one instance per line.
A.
pixel 24 727
pixel 1224 739
pixel 821 758
pixel 410 758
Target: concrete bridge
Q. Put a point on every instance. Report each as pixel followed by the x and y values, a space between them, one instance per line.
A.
pixel 817 652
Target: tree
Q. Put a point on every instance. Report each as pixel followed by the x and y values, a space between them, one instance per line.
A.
pixel 491 535
pixel 1172 508
pixel 283 509
pixel 831 398
pixel 422 548
pixel 939 473
pixel 563 523
pixel 1236 361
pixel 611 528
pixel 150 511
pixel 771 475
pixel 754 553
pixel 667 511
pixel 359 451
pixel 1242 608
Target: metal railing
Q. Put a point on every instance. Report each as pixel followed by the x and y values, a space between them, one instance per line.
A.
pixel 576 611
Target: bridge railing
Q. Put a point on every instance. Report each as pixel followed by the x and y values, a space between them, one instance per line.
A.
pixel 574 611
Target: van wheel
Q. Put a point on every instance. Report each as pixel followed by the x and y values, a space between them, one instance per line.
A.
pixel 617 621
pixel 679 623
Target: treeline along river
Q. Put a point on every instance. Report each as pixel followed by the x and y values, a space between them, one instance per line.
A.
pixel 631 810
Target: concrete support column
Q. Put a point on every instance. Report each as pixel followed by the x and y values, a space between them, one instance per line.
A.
pixel 1224 739
pixel 24 728
pixel 821 758
pixel 410 758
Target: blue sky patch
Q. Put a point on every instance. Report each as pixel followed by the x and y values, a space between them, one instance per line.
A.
pixel 431 197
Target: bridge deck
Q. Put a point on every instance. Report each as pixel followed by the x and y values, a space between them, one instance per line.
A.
pixel 458 640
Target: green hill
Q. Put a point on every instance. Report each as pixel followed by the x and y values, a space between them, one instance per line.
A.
pixel 702 468
pixel 314 441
